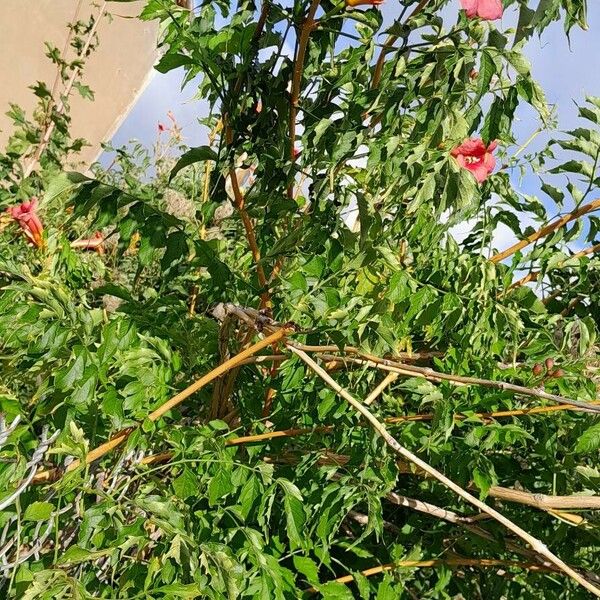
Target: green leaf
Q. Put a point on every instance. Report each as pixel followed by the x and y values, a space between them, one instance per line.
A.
pixel 589 440
pixel 38 511
pixel 219 487
pixel 180 590
pixel 193 155
pixel 487 69
pixel 424 193
pixel 186 485
pixel 482 480
pixel 308 568
pixel 76 554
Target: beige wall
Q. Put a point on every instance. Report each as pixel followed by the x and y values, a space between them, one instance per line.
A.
pixel 116 72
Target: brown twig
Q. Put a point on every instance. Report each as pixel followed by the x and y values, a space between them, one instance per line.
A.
pixel 429 509
pixel 585 252
pixel 525 279
pixel 33 161
pixel 363 519
pixel 379 427
pixel 448 562
pixel 546 230
pixel 119 438
pixel 488 415
pixel 468 523
pixel 239 200
pixel 431 375
pixel 307 26
pixel 386 381
pixel 566 311
pixel 265 298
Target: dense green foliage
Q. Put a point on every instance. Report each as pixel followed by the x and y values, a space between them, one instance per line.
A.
pixel 92 342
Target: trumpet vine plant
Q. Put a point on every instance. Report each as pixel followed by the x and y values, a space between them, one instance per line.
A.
pixel 264 363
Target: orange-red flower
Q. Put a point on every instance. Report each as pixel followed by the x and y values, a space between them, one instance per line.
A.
pixel 475 156
pixel 354 3
pixel 26 216
pixel 484 9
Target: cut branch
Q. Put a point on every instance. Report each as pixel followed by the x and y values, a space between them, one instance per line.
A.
pixel 535 544
pixel 544 502
pixel 534 274
pixel 294 432
pixel 265 299
pixel 526 279
pixel 387 380
pixel 548 229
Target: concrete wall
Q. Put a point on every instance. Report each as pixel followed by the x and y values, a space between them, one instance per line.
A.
pixel 117 72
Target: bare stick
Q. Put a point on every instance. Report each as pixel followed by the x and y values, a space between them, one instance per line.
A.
pixel 387 380
pixel 438 562
pixel 585 252
pixel 379 427
pixel 294 432
pixel 468 523
pixel 363 519
pixel 546 230
pixel 430 374
pixel 488 415
pixel 525 279
pixel 265 300
pixel 544 502
pixel 96 453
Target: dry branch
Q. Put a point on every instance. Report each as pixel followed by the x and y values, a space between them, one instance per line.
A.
pixel 386 381
pixel 534 274
pixel 544 502
pixel 391 40
pixel 265 298
pixel 438 562
pixel 546 230
pixel 430 374
pixel 535 544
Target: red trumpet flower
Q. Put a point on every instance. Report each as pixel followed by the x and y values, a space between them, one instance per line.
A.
pixel 26 216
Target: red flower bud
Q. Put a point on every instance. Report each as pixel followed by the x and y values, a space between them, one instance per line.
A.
pixel 549 362
pixel 537 369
